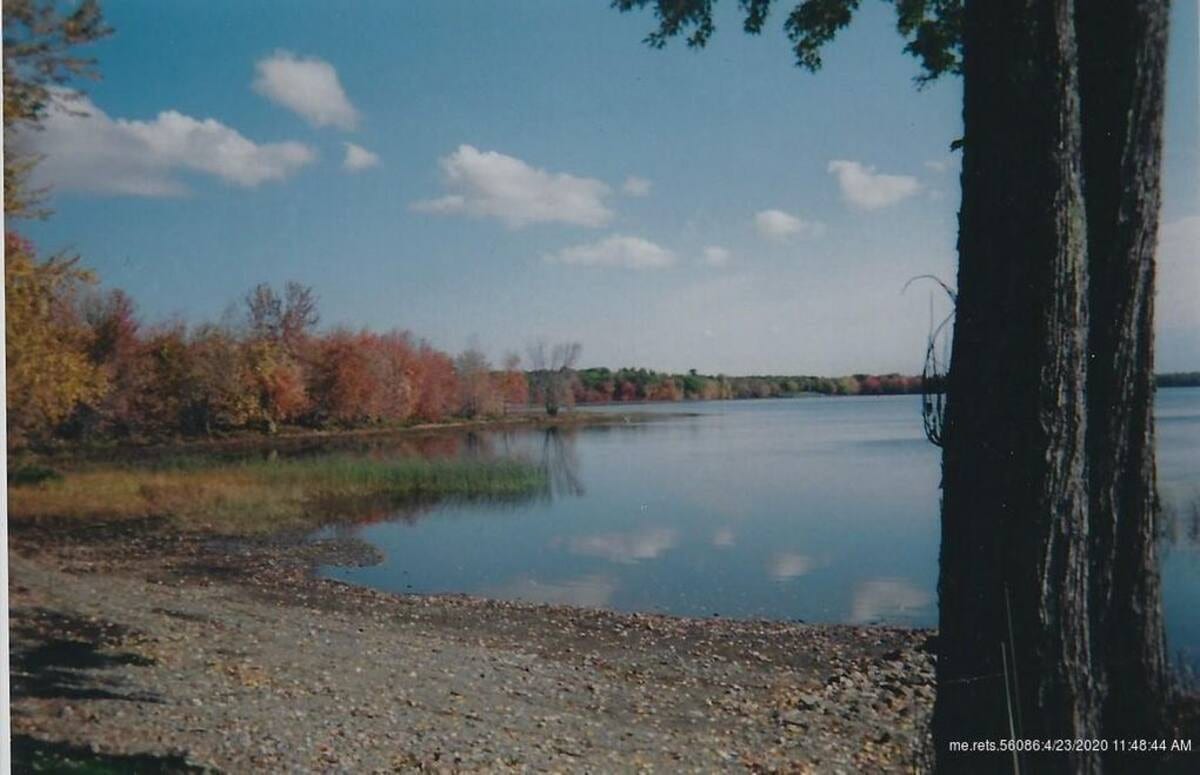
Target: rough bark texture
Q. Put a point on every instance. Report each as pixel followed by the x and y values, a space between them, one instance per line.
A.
pixel 1014 554
pixel 1122 73
pixel 1049 510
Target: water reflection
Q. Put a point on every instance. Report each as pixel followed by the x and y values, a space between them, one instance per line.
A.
pixel 814 509
pixel 560 464
pixel 723 538
pixel 340 512
pixel 623 548
pixel 789 565
pixel 1181 523
pixel 438 444
pixel 595 591
pixel 552 452
pixel 878 600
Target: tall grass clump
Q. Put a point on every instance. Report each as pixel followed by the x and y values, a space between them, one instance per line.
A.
pixel 265 495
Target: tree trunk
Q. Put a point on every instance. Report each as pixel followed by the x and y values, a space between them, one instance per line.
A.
pixel 1049 567
pixel 1122 49
pixel 1013 582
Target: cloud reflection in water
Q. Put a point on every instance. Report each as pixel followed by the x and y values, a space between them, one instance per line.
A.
pixel 625 548
pixel 723 538
pixel 887 599
pixel 789 565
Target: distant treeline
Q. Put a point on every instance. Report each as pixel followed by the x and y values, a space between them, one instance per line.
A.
pixel 597 385
pixel 602 385
pixel 1178 379
pixel 82 366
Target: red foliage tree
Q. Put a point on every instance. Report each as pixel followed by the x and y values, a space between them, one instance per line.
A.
pixel 513 387
pixel 394 362
pixel 437 384
pixel 344 386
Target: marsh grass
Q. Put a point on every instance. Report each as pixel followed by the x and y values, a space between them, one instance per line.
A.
pixel 258 496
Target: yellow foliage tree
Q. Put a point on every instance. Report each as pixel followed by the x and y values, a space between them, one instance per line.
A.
pixel 48 368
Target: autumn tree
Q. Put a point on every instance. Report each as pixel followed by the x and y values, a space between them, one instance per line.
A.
pixel 41 63
pixel 477 391
pixel 164 369
pixel 284 320
pixel 552 372
pixel 436 384
pixel 278 331
pixel 1049 592
pixel 46 354
pixel 344 386
pixel 114 347
pixel 514 387
pixel 394 363
pixel 222 385
pixel 664 389
pixel 48 369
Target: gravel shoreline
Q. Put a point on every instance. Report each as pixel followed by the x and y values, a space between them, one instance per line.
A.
pixel 232 656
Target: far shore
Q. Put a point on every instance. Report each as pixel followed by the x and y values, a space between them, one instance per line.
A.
pixel 300 438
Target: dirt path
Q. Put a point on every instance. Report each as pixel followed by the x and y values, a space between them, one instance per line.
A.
pixel 233 657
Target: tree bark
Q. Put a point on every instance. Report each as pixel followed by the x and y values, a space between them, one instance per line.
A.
pixel 1013 582
pixel 1049 507
pixel 1122 49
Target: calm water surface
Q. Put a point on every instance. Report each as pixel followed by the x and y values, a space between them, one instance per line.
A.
pixel 814 509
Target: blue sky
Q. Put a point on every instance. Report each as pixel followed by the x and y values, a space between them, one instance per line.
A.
pixel 531 170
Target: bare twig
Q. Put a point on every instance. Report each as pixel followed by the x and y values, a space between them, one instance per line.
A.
pixel 935 370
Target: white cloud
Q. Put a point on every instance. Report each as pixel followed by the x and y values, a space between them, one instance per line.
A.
pixel 86 150
pixel 635 186
pixel 777 224
pixel 723 538
pixel 1178 283
pixel 307 86
pixel 358 158
pixel 617 250
pixel 866 189
pixel 491 184
pixel 715 255
pixel 625 548
pixel 941 165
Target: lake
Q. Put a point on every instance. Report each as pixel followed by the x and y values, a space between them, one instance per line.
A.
pixel 810 509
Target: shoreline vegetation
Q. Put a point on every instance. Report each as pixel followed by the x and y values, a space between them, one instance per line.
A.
pixel 265 496
pixel 83 368
pixel 287 439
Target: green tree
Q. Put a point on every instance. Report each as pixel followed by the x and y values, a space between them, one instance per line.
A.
pixel 1049 572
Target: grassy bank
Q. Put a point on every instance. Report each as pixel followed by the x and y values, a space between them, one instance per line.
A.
pixel 294 439
pixel 266 495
